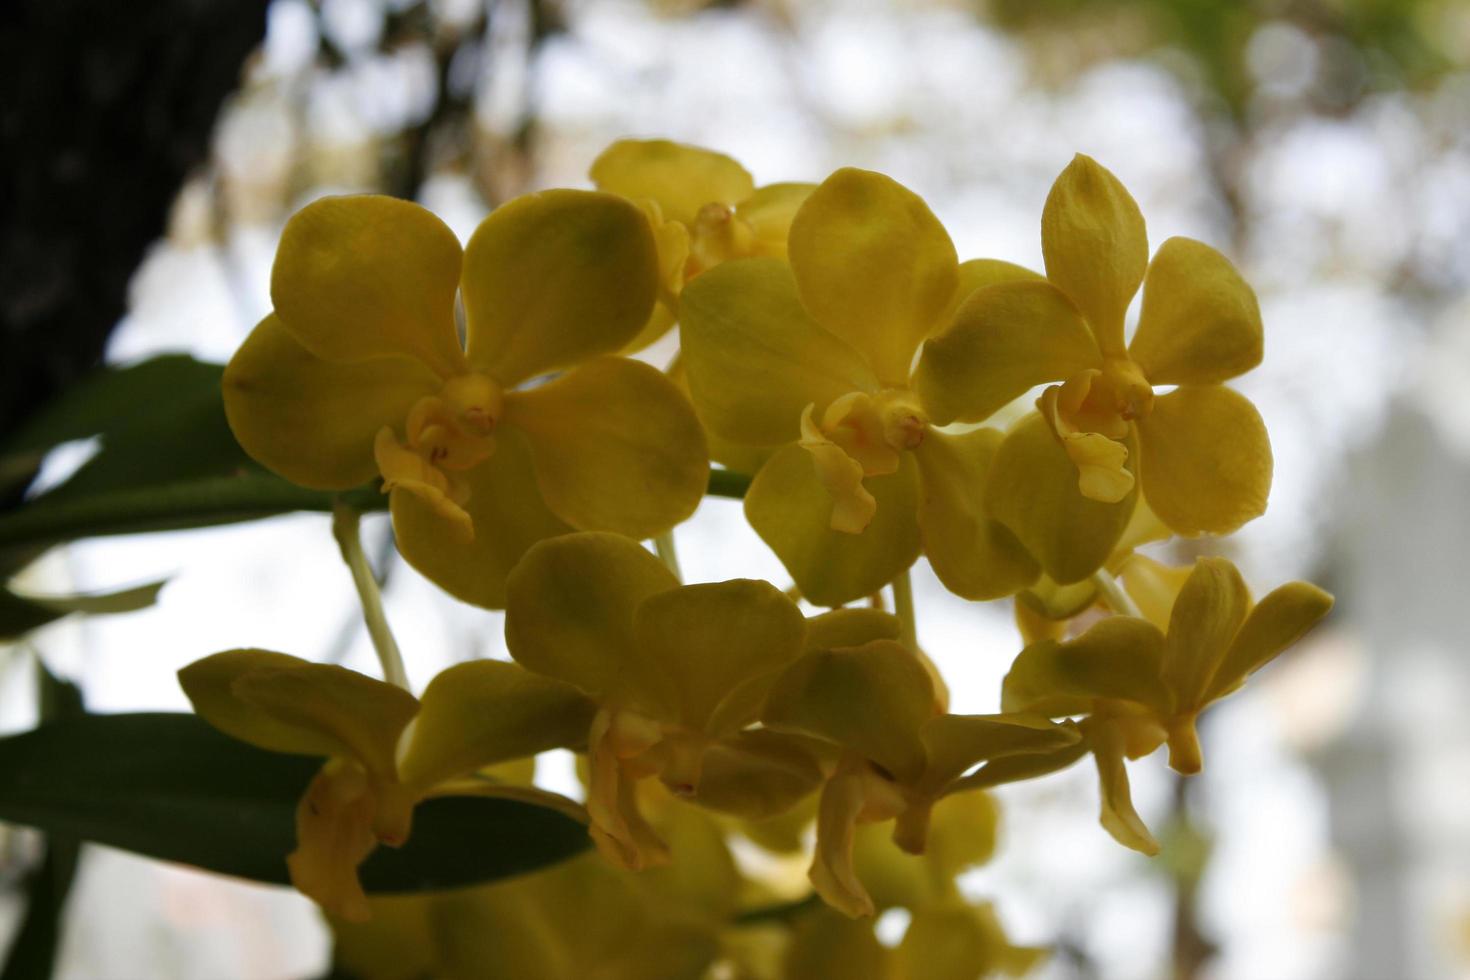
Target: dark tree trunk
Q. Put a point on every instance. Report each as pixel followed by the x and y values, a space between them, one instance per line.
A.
pixel 105 109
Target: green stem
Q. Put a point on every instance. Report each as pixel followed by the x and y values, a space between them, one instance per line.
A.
pixel 199 503
pixel 346 528
pixel 664 545
pixel 903 607
pixel 1118 600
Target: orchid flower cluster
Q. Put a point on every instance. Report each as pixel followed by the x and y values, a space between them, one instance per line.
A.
pixel 834 349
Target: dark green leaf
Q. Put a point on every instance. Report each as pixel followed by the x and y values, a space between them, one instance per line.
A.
pixel 159 421
pixel 19 614
pixel 197 503
pixel 33 952
pixel 169 786
pixel 192 503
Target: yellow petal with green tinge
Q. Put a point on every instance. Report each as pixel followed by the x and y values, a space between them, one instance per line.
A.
pixel 616 447
pixel 944 942
pixel 1032 625
pixel 832 872
pixel 618 828
pixel 1004 340
pixel 711 641
pixel 1014 768
pixel 1200 322
pixel 554 278
pixel 871 699
pixel 979 273
pixel 1206 460
pixel 1117 658
pixel 769 213
pixel 874 266
pixel 758 773
pixel 958 940
pixel 962 835
pixel 851 627
pixel 488 711
pixel 1118 816
pixel 508 516
pixel 681 178
pixel 1095 246
pixel 359 712
pixel 1153 586
pixel 1033 491
pixel 792 511
pixel 366 276
pixel 659 322
pixel 975 556
pixel 827 943
pixel 755 358
pixel 209 685
pixel 1207 614
pixel 1276 622
pixel 570 615
pixel 1143 527
pixel 956 743
pixel 1057 603
pixel 334 834
pixel 396 944
pixel 313 421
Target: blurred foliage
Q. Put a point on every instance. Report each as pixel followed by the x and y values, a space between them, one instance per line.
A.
pixel 32 952
pixel 1368 45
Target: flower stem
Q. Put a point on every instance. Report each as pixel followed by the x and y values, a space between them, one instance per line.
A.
pixel 664 546
pixel 346 528
pixel 1117 600
pixel 903 607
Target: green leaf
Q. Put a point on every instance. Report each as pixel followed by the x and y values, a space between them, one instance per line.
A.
pixel 175 506
pixel 99 603
pixel 169 786
pixel 21 613
pixel 159 421
pixel 33 951
pixel 19 616
pixel 29 530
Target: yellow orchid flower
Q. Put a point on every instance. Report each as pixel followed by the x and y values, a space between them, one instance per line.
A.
pixel 704 209
pixel 900 753
pixel 359 372
pixel 1200 451
pixel 674 669
pixel 948 936
pixel 957 940
pixel 811 358
pixel 1141 686
pixel 576 920
pixel 1043 609
pixel 962 835
pixel 471 716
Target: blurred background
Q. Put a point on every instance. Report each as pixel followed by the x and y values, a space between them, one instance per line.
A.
pixel 154 152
